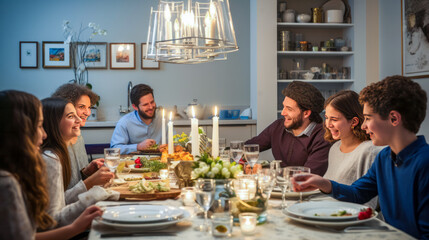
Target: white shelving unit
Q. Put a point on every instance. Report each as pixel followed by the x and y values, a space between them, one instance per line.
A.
pixel 315 33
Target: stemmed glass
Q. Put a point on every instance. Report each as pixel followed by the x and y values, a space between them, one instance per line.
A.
pixel 251 153
pixel 222 145
pixel 300 171
pixel 275 167
pixel 236 150
pixel 283 181
pixel 205 193
pixel 267 181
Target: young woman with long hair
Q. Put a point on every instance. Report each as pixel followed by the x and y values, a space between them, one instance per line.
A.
pixel 62 125
pixel 23 194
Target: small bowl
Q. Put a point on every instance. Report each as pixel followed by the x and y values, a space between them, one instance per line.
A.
pixel 303 18
pixel 308 75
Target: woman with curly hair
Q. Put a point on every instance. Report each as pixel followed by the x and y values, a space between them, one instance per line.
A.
pixel 93 173
pixel 62 124
pixel 352 153
pixel 23 195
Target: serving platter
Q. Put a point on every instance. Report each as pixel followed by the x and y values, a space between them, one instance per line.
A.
pixel 126 194
pixel 135 214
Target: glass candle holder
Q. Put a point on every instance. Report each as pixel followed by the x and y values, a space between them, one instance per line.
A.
pixel 163 173
pixel 222 224
pixel 248 223
pixel 188 196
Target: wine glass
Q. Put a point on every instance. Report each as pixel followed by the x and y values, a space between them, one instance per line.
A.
pixel 222 145
pixel 276 167
pixel 251 153
pixel 205 193
pixel 300 171
pixel 112 157
pixel 267 181
pixel 236 150
pixel 283 181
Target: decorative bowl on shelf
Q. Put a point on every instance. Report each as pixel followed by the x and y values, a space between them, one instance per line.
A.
pixel 303 18
pixel 308 75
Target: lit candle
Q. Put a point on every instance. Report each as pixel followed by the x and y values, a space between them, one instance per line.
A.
pixel 167 18
pixel 242 194
pixel 248 222
pixel 188 196
pixel 163 173
pixel 163 127
pixel 176 29
pixel 215 135
pixel 194 135
pixel 210 22
pixel 170 135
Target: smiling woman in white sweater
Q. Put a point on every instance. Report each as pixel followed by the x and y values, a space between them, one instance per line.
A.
pixel 62 125
pixel 352 154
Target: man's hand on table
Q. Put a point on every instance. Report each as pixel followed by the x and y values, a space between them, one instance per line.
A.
pixel 146 144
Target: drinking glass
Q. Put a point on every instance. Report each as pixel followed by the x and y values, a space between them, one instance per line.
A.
pixel 236 150
pixel 112 157
pixel 300 171
pixel 222 145
pixel 275 167
pixel 205 194
pixel 283 181
pixel 267 181
pixel 251 153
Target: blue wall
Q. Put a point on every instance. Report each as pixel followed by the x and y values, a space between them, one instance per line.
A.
pixel 221 82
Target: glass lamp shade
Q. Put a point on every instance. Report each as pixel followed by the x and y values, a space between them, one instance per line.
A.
pixel 190 33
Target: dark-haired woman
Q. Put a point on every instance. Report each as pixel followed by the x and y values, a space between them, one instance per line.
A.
pixel 352 153
pixel 23 195
pixel 62 125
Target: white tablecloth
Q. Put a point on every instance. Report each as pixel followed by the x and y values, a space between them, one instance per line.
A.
pixel 278 226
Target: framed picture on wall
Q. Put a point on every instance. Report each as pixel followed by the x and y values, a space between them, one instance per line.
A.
pixel 28 54
pixel 415 38
pixel 56 55
pixel 95 54
pixel 122 55
pixel 146 63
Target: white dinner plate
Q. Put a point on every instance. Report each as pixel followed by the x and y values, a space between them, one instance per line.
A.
pixel 277 193
pixel 143 227
pixel 322 210
pixel 329 223
pixel 142 213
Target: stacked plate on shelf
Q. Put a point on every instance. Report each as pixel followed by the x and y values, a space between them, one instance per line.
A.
pixel 142 217
pixel 327 213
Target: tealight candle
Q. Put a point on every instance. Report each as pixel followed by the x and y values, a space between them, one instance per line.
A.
pixel 248 222
pixel 242 194
pixel 163 173
pixel 188 196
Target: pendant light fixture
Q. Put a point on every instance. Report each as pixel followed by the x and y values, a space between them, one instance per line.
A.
pixel 190 31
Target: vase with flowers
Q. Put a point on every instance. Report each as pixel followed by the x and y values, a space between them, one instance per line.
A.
pixel 78 48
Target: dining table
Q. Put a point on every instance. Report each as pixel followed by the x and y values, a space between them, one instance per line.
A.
pixel 277 226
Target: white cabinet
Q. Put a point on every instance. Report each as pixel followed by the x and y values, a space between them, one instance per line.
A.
pixel 315 33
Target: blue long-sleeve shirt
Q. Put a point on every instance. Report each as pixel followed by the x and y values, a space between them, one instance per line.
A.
pixel 131 130
pixel 402 184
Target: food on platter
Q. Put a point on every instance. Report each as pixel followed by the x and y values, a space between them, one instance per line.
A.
pixel 145 186
pixel 151 165
pixel 365 213
pixel 179 154
pixel 341 213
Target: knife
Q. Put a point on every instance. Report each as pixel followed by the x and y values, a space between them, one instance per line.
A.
pixel 114 235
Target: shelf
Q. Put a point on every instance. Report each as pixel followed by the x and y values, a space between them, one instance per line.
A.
pixel 314 54
pixel 317 80
pixel 315 25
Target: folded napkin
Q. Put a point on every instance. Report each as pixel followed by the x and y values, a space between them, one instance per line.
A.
pixel 96 194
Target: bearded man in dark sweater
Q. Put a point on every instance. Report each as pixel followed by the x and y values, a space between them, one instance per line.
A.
pixel 297 139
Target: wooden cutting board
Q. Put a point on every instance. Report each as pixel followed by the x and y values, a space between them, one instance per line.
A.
pixel 128 195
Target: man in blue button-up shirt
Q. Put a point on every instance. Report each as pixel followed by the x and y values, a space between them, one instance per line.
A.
pixel 140 129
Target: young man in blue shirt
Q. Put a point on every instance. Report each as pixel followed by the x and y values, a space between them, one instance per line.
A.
pixel 140 129
pixel 394 109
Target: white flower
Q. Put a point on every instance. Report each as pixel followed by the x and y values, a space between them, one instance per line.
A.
pixel 81 67
pixel 68 40
pixel 91 25
pixel 215 170
pixel 210 174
